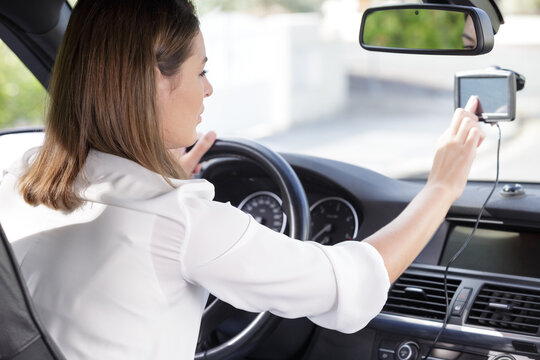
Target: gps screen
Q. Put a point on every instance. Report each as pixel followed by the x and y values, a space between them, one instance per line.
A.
pixel 492 92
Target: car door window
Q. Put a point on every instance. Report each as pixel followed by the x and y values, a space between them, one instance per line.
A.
pixel 22 97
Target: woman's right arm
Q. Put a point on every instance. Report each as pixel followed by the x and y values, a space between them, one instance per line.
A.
pixel 402 240
pixel 340 287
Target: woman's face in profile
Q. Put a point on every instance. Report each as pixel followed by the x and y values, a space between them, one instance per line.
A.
pixel 180 98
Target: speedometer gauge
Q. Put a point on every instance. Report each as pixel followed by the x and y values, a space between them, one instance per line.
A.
pixel 333 220
pixel 265 207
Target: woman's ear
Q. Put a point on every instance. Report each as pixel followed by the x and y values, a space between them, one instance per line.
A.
pixel 162 82
pixel 162 91
pixel 166 83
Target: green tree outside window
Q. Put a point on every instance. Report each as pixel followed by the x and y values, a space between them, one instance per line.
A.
pixel 22 97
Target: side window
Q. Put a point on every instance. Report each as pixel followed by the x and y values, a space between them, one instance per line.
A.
pixel 22 104
pixel 22 97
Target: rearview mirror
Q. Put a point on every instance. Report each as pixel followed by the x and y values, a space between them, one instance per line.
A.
pixel 427 29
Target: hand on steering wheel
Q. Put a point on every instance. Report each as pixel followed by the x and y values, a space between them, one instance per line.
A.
pixel 191 160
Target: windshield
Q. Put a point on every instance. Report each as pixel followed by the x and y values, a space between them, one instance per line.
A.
pixel 291 75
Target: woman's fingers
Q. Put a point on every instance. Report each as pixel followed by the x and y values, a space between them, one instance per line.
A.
pixel 467 124
pixel 466 120
pixel 467 112
pixel 190 160
pixel 472 104
pixel 457 149
pixel 475 137
pixel 471 126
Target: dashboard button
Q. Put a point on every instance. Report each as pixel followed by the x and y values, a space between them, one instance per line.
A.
pixel 457 309
pixel 464 294
pixel 407 351
pixel 404 352
pixel 385 354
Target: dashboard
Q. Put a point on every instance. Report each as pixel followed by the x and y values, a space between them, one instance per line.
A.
pixel 493 288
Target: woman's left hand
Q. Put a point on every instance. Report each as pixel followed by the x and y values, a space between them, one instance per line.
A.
pixel 190 161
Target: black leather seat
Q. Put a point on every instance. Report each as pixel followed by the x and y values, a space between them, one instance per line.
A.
pixel 22 337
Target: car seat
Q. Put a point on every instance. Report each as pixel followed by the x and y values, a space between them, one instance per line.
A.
pixel 22 337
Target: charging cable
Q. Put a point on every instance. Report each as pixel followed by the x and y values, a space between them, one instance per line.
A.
pixel 465 244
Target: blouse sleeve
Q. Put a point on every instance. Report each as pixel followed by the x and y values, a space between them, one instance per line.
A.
pixel 253 268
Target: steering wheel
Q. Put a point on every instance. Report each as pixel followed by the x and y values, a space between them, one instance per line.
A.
pixel 295 205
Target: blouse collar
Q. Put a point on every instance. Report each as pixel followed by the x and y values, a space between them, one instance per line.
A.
pixel 114 180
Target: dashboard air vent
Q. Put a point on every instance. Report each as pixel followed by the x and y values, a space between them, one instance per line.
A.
pixel 507 308
pixel 420 296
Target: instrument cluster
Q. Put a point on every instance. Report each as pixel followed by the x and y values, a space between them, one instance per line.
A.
pixel 333 219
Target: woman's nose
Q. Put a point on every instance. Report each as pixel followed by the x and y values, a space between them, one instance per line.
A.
pixel 208 89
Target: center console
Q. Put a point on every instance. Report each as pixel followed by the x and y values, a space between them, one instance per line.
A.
pixel 492 291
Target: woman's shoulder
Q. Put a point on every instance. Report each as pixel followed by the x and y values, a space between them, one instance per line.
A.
pixel 115 180
pixel 21 163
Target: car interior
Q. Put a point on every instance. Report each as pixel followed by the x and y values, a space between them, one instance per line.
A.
pixel 488 300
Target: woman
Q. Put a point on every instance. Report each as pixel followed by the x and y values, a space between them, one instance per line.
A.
pixel 123 248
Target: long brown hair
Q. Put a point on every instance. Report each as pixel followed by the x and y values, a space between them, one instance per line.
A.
pixel 103 92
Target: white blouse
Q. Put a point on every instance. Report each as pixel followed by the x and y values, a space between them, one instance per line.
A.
pixel 127 275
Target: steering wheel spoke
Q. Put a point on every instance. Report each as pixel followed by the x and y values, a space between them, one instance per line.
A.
pixel 214 314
